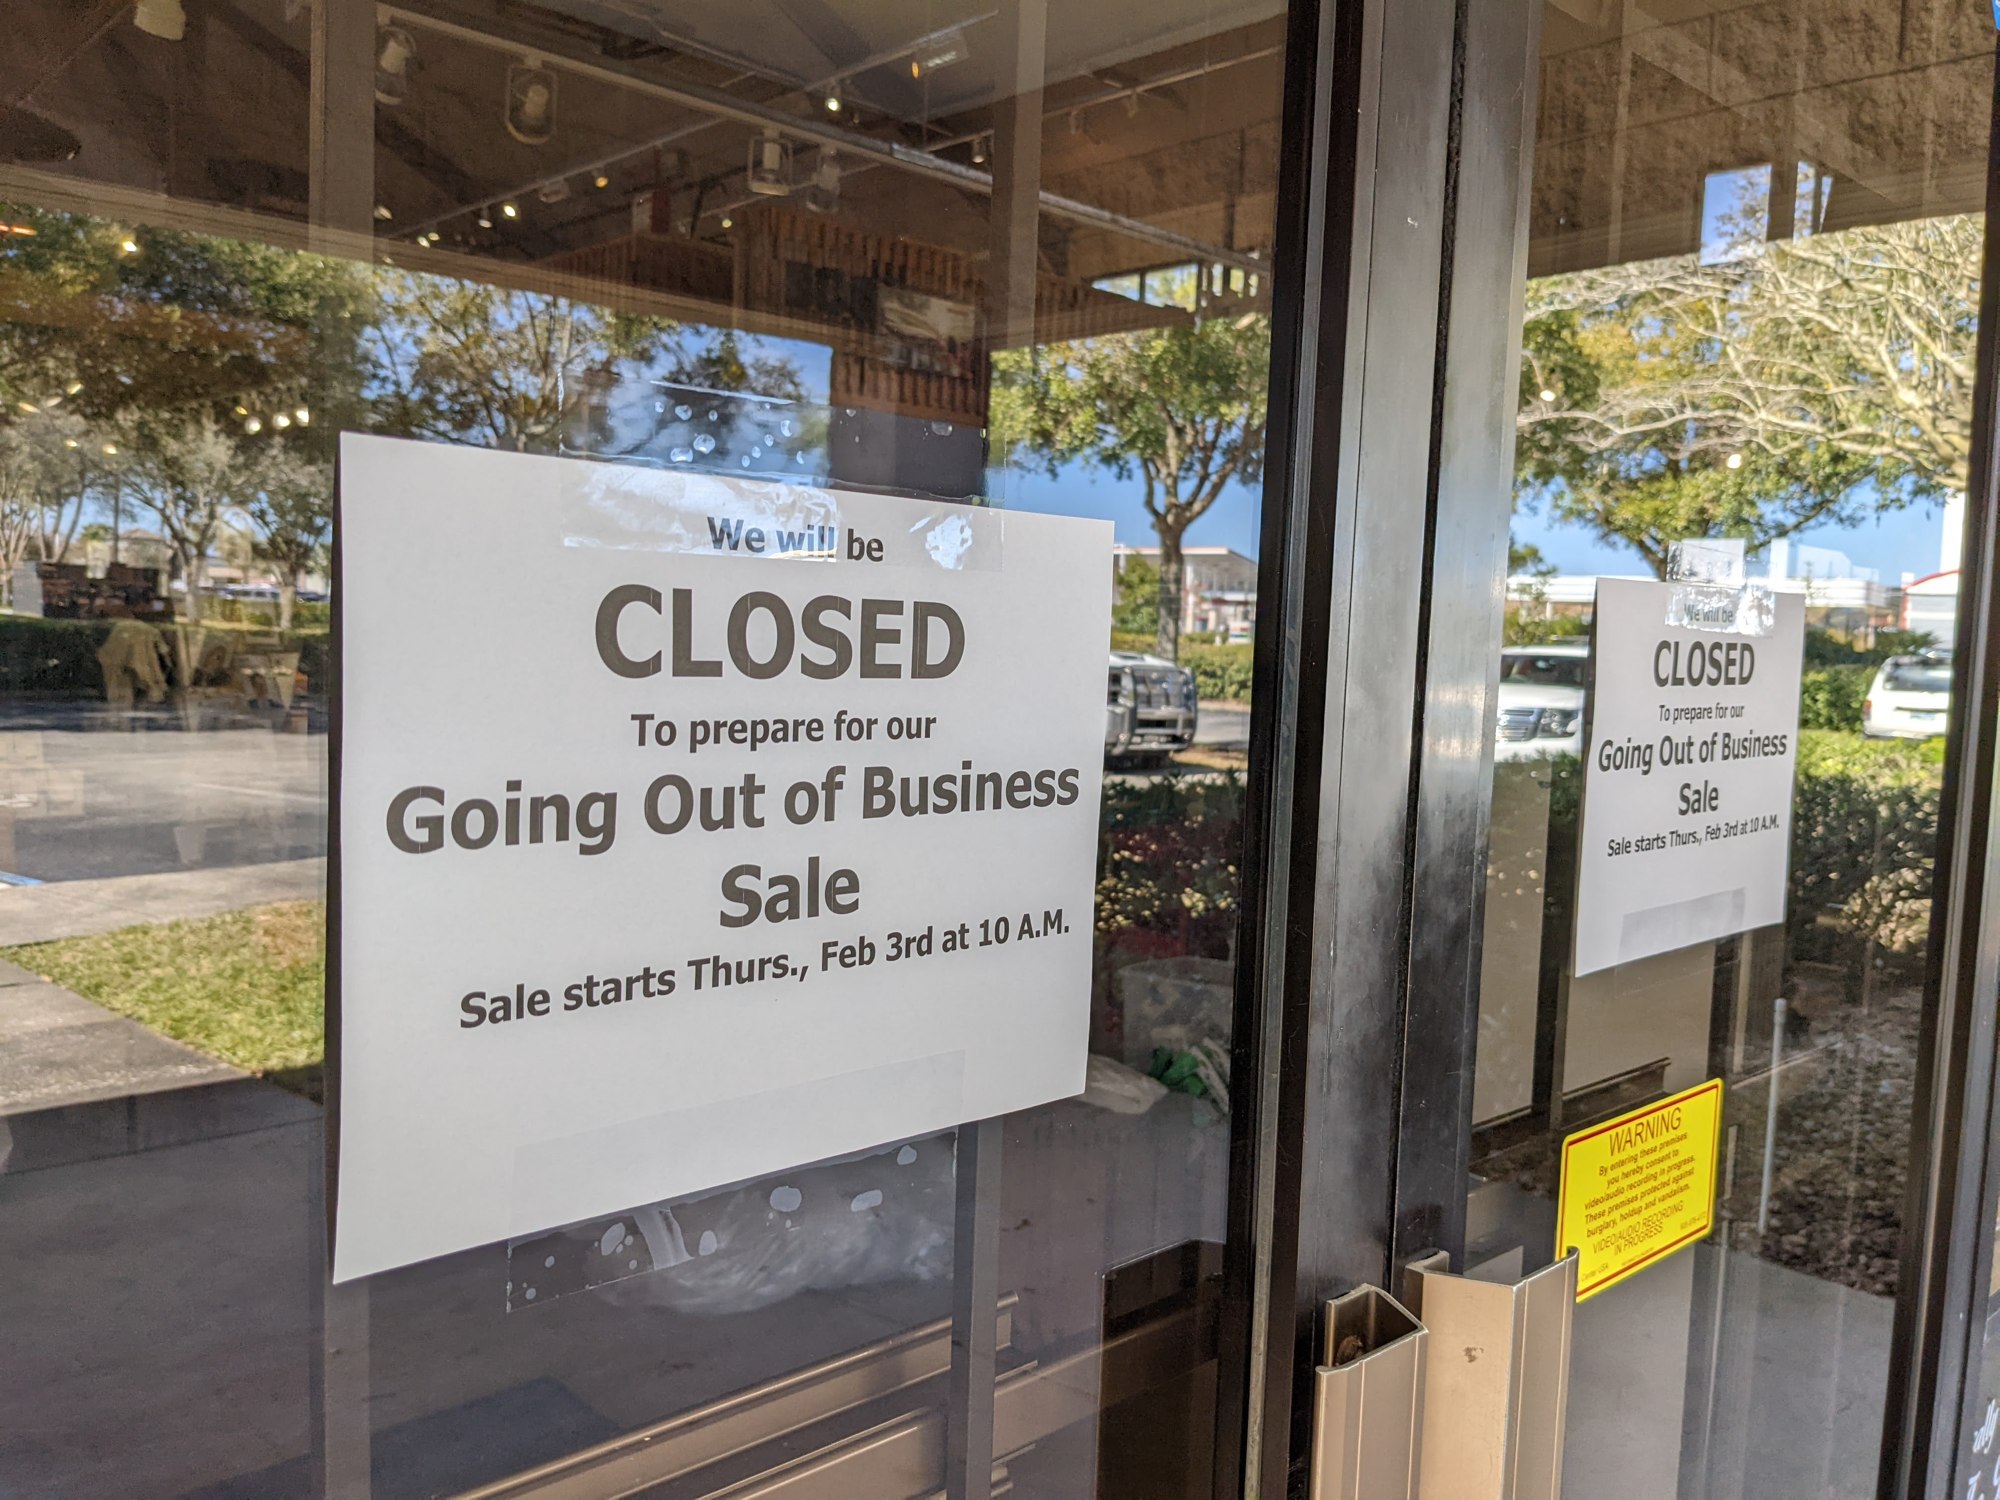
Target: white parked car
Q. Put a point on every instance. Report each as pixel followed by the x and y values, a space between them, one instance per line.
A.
pixel 1910 698
pixel 1541 701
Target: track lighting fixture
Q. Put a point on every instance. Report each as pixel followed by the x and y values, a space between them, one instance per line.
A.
pixel 531 103
pixel 823 197
pixel 165 19
pixel 770 168
pixel 392 65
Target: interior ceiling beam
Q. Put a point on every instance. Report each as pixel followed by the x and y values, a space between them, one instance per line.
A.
pixel 86 32
pixel 832 137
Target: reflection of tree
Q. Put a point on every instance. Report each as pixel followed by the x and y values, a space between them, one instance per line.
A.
pixel 1136 604
pixel 43 488
pixel 188 475
pixel 291 505
pixel 175 321
pixel 468 362
pixel 1182 407
pixel 1798 383
pixel 714 360
pixel 202 375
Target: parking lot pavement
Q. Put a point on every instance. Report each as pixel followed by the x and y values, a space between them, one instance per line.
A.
pixel 82 799
pixel 1225 724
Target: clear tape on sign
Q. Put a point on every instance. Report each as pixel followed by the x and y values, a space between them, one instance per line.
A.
pixel 1711 592
pixel 628 508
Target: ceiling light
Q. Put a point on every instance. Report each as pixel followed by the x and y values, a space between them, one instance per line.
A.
pixel 21 231
pixel 110 450
pixel 253 426
pixel 129 247
pixel 485 218
pixel 303 416
pixel 392 65
pixel 833 100
pixel 727 222
pixel 824 194
pixel 601 180
pixel 281 421
pixel 1549 396
pixel 242 411
pixel 73 387
pixel 553 192
pixel 164 19
pixel 509 211
pixel 382 212
pixel 530 115
pixel 770 169
pixel 69 442
pixel 979 151
pixel 1734 461
pixel 28 406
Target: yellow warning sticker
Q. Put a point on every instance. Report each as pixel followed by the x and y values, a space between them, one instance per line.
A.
pixel 1637 1188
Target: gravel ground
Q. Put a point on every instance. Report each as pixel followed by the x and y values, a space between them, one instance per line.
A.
pixel 1843 1148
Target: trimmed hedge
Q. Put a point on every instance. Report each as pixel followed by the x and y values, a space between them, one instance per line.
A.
pixel 51 658
pixel 1864 844
pixel 1219 671
pixel 1831 697
pixel 58 658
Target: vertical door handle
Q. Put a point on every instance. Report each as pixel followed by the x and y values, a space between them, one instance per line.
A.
pixel 1368 1400
pixel 1497 1380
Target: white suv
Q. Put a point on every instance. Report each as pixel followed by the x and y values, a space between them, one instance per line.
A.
pixel 1541 701
pixel 1910 698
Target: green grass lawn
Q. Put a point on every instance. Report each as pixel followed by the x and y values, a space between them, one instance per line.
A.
pixel 245 987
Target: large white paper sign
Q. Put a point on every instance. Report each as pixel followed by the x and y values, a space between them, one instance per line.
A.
pixel 691 829
pixel 1687 809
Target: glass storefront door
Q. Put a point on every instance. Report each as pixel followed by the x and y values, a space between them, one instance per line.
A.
pixel 1394 349
pixel 1750 322
pixel 1018 258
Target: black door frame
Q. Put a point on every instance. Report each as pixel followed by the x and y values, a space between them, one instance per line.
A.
pixel 1387 500
pixel 1934 1396
pixel 1401 258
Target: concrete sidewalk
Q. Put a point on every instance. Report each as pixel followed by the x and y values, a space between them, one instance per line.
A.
pixel 57 1049
pixel 80 908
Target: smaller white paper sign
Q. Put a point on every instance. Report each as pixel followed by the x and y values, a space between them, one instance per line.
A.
pixel 1687 813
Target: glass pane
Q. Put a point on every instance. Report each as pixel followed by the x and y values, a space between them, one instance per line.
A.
pixel 1755 241
pixel 1015 258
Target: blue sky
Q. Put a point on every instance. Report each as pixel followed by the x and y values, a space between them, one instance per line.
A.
pixel 1895 543
pixel 1085 490
pixel 1898 542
